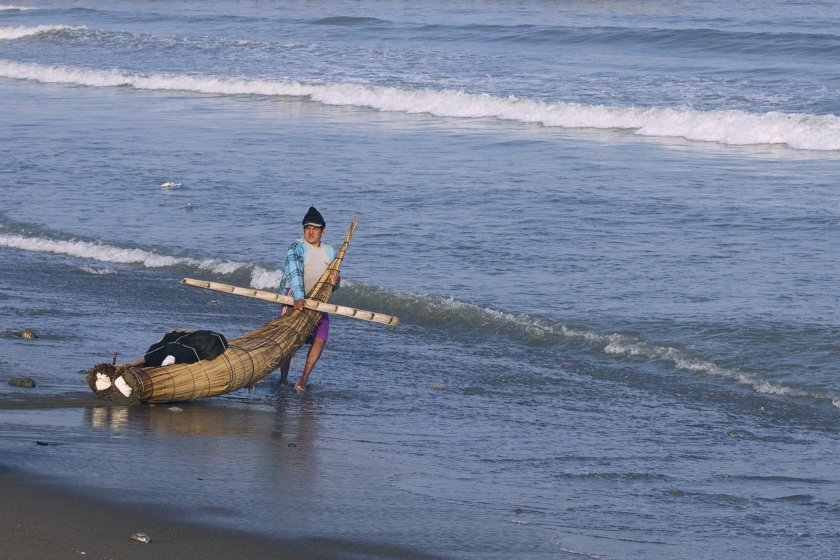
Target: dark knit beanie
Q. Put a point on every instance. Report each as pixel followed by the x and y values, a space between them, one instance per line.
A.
pixel 314 218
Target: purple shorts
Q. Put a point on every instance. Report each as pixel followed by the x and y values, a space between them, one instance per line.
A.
pixel 322 329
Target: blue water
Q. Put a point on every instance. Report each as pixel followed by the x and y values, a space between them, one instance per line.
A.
pixel 611 231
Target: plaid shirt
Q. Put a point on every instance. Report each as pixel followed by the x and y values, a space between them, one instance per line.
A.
pixel 293 268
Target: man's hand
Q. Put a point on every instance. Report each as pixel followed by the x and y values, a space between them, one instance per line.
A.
pixel 299 304
pixel 335 278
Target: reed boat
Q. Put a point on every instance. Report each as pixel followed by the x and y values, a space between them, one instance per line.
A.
pixel 246 360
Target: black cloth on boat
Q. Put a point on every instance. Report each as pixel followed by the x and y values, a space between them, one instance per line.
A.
pixel 187 347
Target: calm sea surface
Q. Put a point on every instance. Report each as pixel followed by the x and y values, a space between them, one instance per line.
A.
pixel 611 231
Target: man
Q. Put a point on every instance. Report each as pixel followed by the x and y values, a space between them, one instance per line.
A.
pixel 306 260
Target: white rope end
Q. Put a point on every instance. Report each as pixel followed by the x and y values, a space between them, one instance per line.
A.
pixel 102 381
pixel 122 386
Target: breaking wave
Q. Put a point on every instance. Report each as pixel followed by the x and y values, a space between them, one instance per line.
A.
pixel 449 312
pixel 96 270
pixel 12 33
pixel 261 278
pixel 798 131
pixel 430 310
pixel 621 345
pixel 102 252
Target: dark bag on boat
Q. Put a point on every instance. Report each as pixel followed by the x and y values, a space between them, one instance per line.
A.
pixel 187 347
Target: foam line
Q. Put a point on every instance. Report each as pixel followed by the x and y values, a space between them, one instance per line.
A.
pixel 9 33
pixel 798 131
pixel 102 252
pixel 433 309
pixel 437 310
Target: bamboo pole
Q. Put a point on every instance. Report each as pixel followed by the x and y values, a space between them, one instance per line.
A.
pixel 321 306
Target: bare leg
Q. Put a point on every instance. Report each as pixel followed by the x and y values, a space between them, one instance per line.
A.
pixel 284 367
pixel 284 371
pixel 311 359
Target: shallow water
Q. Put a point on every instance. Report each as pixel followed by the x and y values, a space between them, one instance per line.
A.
pixel 617 290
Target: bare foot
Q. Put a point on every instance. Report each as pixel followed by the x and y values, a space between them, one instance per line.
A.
pixel 299 388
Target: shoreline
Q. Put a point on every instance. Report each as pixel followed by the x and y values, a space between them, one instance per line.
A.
pixel 50 517
pixel 22 400
pixel 44 520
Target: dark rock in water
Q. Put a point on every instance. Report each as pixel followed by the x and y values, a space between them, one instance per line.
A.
pixel 27 382
pixel 28 334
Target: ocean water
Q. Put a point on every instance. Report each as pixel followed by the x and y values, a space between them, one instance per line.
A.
pixel 611 231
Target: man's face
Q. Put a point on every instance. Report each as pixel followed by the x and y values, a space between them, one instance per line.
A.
pixel 312 234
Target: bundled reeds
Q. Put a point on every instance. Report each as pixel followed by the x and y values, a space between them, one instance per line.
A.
pixel 247 359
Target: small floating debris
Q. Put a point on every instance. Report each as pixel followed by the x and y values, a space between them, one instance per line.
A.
pixel 26 382
pixel 438 386
pixel 175 409
pixel 169 185
pixel 141 537
pixel 189 206
pixel 28 334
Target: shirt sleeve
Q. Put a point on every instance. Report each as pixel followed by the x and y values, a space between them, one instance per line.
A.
pixel 293 270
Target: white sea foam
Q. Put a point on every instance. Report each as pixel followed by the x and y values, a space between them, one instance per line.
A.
pixel 615 344
pixel 102 252
pixel 9 33
pixel 621 345
pixel 262 279
pixel 534 328
pixel 732 127
pixel 94 270
pixel 8 7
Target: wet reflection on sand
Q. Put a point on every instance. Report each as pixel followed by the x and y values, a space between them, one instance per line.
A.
pixel 225 459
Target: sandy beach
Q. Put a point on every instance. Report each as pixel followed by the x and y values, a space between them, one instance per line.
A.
pixel 46 517
pixel 41 520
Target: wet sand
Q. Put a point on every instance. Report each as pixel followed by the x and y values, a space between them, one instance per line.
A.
pixel 41 521
pixel 50 518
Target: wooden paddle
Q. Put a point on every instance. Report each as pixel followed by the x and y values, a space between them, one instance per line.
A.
pixel 289 300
